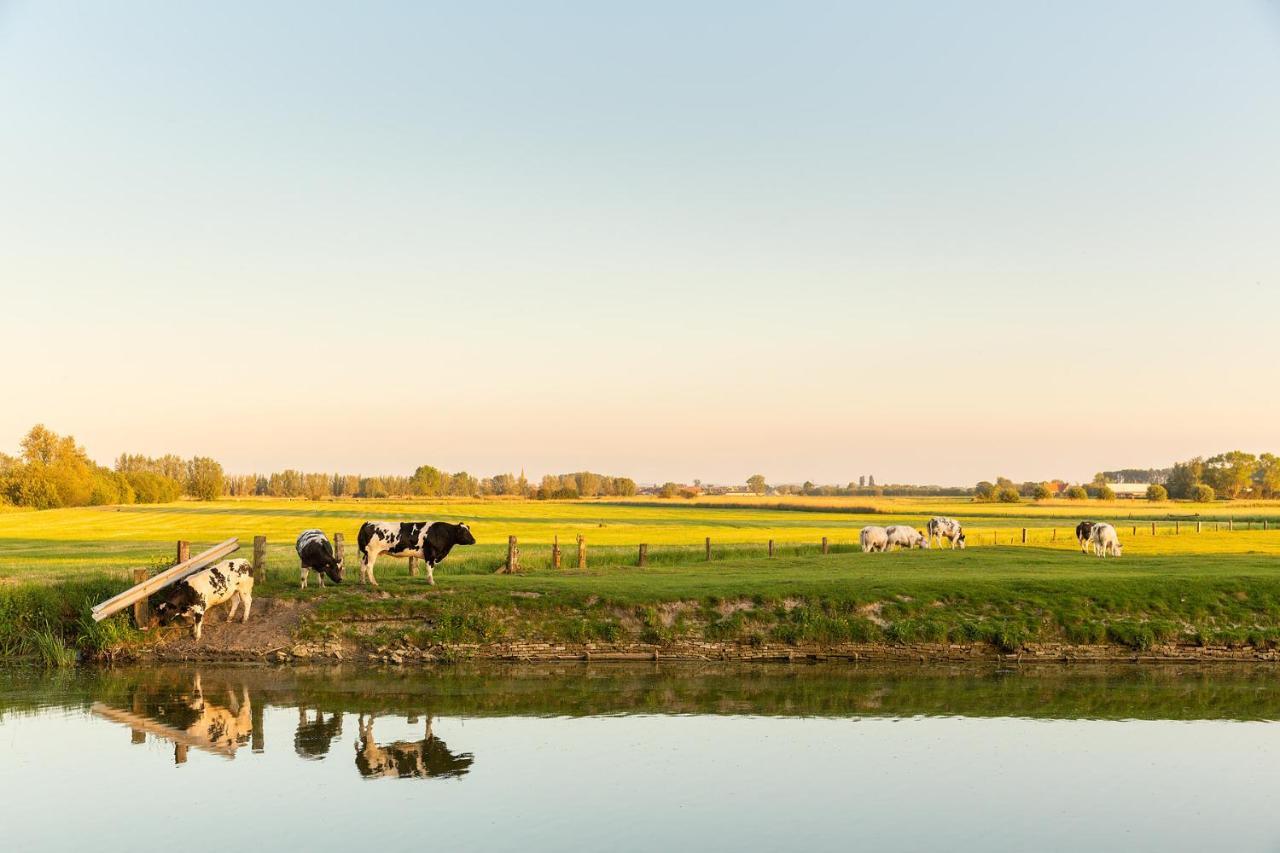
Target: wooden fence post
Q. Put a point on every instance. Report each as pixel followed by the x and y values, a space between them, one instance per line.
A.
pixel 770 547
pixel 259 559
pixel 1024 536
pixel 555 551
pixel 513 555
pixel 1231 523
pixel 825 548
pixel 184 551
pixel 1053 537
pixel 1135 530
pixel 413 567
pixel 339 547
pixel 643 559
pixel 1153 528
pixel 258 735
pixel 582 551
pixel 708 549
pixel 142 607
pixel 1176 529
pixel 1197 527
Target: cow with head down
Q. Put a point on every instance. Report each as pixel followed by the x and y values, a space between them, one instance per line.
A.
pixel 429 541
pixel 190 599
pixel 905 536
pixel 315 554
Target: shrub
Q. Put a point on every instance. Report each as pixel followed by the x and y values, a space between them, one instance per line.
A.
pixel 1201 493
pixel 1105 492
pixel 1008 495
pixel 1157 493
pixel 1076 493
pixel 1041 492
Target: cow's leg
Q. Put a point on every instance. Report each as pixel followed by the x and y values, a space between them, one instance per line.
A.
pixel 302 576
pixel 233 606
pixel 368 568
pixel 247 599
pixel 431 573
pixel 320 578
pixel 197 624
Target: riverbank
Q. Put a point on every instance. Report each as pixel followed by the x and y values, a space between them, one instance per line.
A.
pixel 1023 603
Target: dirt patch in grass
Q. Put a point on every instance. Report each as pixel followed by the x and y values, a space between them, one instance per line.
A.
pixel 270 628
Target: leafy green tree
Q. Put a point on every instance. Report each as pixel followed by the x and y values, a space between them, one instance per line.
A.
pixel 1183 477
pixel 1157 493
pixel 1042 492
pixel 984 491
pixel 1008 494
pixel 204 479
pixel 1266 477
pixel 1230 474
pixel 756 483
pixel 1104 492
pixel 1076 493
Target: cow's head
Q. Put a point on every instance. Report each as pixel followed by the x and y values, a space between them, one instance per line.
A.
pixel 462 535
pixel 960 541
pixel 333 569
pixel 924 540
pixel 176 605
pixel 1118 548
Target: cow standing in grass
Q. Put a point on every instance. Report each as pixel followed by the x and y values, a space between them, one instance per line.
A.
pixel 1105 540
pixel 315 554
pixel 873 538
pixel 429 541
pixel 905 536
pixel 946 528
pixel 1083 529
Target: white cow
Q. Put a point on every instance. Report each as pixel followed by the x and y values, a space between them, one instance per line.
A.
pixel 873 539
pixel 1104 540
pixel 946 528
pixel 905 536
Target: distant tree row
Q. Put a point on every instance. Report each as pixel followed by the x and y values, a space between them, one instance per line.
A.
pixel 865 487
pixel 427 481
pixel 53 471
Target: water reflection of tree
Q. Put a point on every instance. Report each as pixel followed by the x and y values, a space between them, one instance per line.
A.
pixel 420 759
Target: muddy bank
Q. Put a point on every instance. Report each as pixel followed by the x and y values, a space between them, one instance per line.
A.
pixel 288 631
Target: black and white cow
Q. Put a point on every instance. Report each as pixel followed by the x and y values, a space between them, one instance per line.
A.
pixel 946 528
pixel 430 541
pixel 315 554
pixel 191 597
pixel 1083 529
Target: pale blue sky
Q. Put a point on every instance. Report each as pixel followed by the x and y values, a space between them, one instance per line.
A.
pixel 928 241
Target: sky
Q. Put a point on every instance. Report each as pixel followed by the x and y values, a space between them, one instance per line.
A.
pixel 929 242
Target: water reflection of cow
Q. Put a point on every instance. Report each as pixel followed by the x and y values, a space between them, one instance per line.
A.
pixel 314 737
pixel 426 758
pixel 189 719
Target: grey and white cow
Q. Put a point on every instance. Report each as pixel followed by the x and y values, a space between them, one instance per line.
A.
pixel 941 528
pixel 315 554
pixel 191 597
pixel 429 541
pixel 873 539
pixel 905 536
pixel 1105 540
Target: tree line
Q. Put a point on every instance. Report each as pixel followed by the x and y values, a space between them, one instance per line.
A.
pixel 54 471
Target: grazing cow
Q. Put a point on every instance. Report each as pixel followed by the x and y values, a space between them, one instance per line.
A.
pixel 315 554
pixel 873 538
pixel 191 598
pixel 312 738
pixel 431 541
pixel 1083 530
pixel 946 528
pixel 418 759
pixel 1104 540
pixel 905 536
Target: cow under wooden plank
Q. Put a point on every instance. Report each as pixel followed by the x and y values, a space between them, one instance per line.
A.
pixel 169 576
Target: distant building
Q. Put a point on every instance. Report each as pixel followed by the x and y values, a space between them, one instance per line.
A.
pixel 1129 490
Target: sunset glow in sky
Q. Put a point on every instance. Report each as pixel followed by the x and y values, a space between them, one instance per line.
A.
pixel 932 242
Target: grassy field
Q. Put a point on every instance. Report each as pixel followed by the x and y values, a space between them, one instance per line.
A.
pixel 87 543
pixel 1214 587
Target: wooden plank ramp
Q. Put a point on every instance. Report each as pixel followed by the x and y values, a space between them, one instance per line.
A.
pixel 169 576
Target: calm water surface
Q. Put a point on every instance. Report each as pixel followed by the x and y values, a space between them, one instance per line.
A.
pixel 654 757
